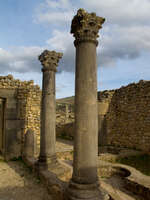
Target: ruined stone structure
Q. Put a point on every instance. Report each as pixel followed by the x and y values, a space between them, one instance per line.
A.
pixel 120 116
pixel 30 144
pixel 47 158
pixel 19 110
pixel 84 182
pixel 127 120
pixel 123 117
pixel 64 120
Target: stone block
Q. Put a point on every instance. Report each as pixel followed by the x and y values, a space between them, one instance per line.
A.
pixel 30 144
pixel 12 144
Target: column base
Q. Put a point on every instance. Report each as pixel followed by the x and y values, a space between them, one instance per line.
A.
pixel 77 191
pixel 45 163
pixel 57 169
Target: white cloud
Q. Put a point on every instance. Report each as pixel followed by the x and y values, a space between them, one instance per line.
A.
pixel 125 34
pixel 63 4
pixel 17 65
pixel 55 18
pixel 60 40
pixel 124 43
pixel 118 39
pixel 5 55
pixel 56 13
pixel 121 12
pixel 20 59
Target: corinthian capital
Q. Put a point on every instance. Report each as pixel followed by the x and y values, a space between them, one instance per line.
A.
pixel 49 60
pixel 85 26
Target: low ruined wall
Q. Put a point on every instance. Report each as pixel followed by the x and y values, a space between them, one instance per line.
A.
pixel 123 117
pixel 128 117
pixel 64 120
pixel 30 109
pixel 65 116
pixel 104 100
pixel 21 112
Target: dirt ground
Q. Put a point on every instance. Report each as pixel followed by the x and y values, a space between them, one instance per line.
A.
pixel 18 183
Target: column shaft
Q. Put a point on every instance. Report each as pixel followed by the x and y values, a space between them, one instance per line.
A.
pixel 86 122
pixel 84 183
pixel 48 116
pixel 47 158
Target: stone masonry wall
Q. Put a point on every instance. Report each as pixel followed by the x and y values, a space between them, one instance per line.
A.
pixel 64 120
pixel 104 100
pixel 123 116
pixel 128 117
pixel 30 102
pixel 22 111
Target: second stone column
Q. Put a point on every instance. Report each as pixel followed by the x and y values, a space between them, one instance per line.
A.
pixel 47 158
pixel 84 183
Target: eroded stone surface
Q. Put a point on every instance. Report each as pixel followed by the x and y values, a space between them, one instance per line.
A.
pixel 85 26
pixel 22 111
pixel 84 184
pixel 30 144
pixel 47 157
pixel 50 59
pixel 123 117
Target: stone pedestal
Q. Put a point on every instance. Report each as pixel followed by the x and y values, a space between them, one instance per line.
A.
pixel 30 144
pixel 84 183
pixel 47 158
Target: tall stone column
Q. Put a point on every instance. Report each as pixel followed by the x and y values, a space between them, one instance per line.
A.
pixel 47 158
pixel 84 182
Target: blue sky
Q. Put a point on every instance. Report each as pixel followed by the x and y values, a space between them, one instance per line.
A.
pixel 28 27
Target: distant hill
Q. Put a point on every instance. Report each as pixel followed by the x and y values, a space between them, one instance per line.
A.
pixel 69 100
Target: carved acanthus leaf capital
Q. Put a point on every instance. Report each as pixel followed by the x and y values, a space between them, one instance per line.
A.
pixel 49 60
pixel 85 26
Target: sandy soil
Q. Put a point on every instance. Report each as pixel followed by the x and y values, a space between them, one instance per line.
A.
pixel 18 183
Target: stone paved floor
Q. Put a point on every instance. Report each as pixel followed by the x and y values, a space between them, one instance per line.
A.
pixel 61 146
pixel 64 145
